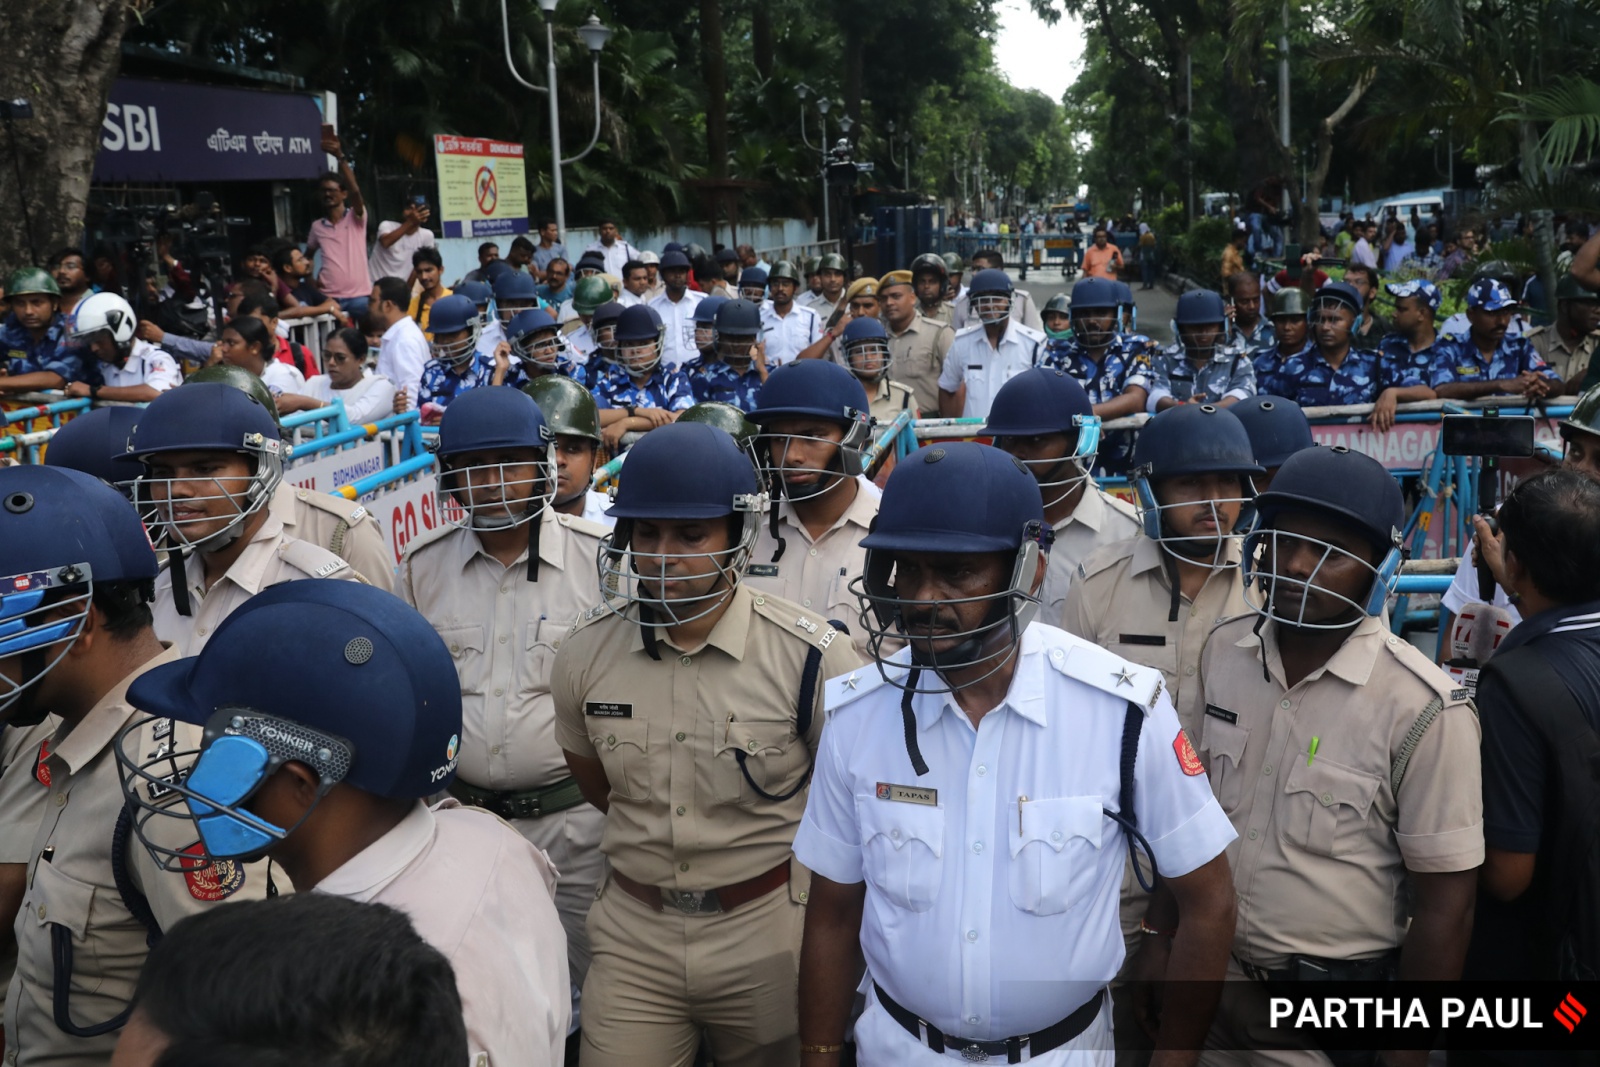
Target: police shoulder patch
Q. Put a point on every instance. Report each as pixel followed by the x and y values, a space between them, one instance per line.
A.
pixel 210 879
pixel 310 559
pixel 793 619
pixel 1108 672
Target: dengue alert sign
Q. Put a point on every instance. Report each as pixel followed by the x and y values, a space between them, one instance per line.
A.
pixel 483 187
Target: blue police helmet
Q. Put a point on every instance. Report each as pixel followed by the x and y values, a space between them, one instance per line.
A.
pixel 1342 292
pixel 1350 487
pixel 674 260
pixel 515 286
pixel 205 416
pixel 497 269
pixel 684 470
pixel 96 442
pixel 957 497
pixel 452 314
pixel 1199 307
pixel 671 246
pixel 605 315
pixel 865 328
pixel 1093 293
pixel 811 387
pixel 989 281
pixel 705 312
pixel 58 517
pixel 341 658
pixel 478 292
pixel 637 324
pixel 1038 401
pixel 1277 428
pixel 738 318
pixel 489 418
pixel 526 321
pixel 1124 292
pixel 1194 439
pixel 752 277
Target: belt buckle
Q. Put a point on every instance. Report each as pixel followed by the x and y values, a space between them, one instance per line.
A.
pixel 974 1054
pixel 528 808
pixel 692 901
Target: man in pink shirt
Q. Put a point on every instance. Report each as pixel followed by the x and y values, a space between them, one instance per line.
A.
pixel 341 236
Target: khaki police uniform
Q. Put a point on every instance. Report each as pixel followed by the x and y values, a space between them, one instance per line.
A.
pixel 944 314
pixel 887 399
pixel 1100 519
pixel 72 895
pixel 272 556
pixel 1568 361
pixel 1121 599
pixel 916 358
pixel 817 574
pixel 503 632
pixel 821 305
pixel 481 895
pixel 22 806
pixel 341 526
pixel 1325 841
pixel 677 737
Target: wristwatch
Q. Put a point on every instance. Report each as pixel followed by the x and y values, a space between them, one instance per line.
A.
pixel 632 411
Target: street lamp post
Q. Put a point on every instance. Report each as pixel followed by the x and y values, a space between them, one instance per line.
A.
pixel 595 37
pixel 905 149
pixel 821 147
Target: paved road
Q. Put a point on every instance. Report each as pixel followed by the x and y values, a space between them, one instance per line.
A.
pixel 1156 306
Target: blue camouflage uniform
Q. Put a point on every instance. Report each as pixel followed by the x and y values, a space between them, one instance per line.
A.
pixel 441 384
pixel 1460 361
pixel 717 380
pixel 1263 336
pixel 1125 362
pixel 1267 361
pixel 666 389
pixel 1228 372
pixel 1402 364
pixel 518 375
pixel 21 354
pixel 1309 380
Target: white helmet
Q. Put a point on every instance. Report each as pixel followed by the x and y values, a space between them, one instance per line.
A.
pixel 108 312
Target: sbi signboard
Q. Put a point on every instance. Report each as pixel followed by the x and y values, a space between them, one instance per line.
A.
pixel 178 132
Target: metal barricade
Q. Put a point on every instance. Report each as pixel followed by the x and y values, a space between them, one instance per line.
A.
pixel 797 254
pixel 310 333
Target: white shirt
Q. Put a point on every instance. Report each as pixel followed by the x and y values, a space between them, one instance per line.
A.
pixel 786 336
pixel 146 365
pixel 395 261
pixel 594 508
pixel 581 344
pixel 1464 590
pixel 370 399
pixel 1361 252
pixel 615 254
pixel 678 318
pixel 628 300
pixel 985 926
pixel 402 355
pixel 282 378
pixel 984 369
pixel 490 336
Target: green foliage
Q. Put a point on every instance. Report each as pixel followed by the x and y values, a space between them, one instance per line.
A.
pixel 1197 252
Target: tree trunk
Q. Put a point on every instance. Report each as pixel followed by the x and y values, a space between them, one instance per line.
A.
pixel 61 56
pixel 761 40
pixel 713 68
pixel 1310 220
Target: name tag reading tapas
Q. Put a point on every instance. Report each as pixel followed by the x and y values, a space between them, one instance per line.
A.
pixel 908 794
pixel 605 709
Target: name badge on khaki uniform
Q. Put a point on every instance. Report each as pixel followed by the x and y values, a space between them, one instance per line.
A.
pixel 607 709
pixel 906 794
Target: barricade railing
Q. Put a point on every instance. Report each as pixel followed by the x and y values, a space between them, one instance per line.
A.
pixel 310 333
pixel 408 424
pixel 797 254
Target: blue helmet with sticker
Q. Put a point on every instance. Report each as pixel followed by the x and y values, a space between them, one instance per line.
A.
pixel 96 442
pixel 63 533
pixel 680 471
pixel 955 498
pixel 1352 490
pixel 496 492
pixel 1277 428
pixel 1192 439
pixel 290 676
pixel 1045 401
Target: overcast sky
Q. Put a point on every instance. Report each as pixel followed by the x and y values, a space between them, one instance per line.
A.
pixel 1036 56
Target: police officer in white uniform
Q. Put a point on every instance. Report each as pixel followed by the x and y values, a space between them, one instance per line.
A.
pixel 973 843
pixel 986 355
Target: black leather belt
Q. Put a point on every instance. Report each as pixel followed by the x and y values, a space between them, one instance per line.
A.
pixel 522 804
pixel 1035 1044
pixel 1317 969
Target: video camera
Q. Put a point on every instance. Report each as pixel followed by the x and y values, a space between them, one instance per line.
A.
pixel 841 171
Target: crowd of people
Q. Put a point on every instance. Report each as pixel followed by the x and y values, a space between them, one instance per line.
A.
pixel 783 752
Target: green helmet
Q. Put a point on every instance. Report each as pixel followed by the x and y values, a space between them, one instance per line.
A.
pixel 568 407
pixel 590 293
pixel 1569 288
pixel 1585 417
pixel 723 417
pixel 831 261
pixel 1061 303
pixel 32 280
pixel 240 379
pixel 783 269
pixel 954 262
pixel 928 261
pixel 813 264
pixel 1290 300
